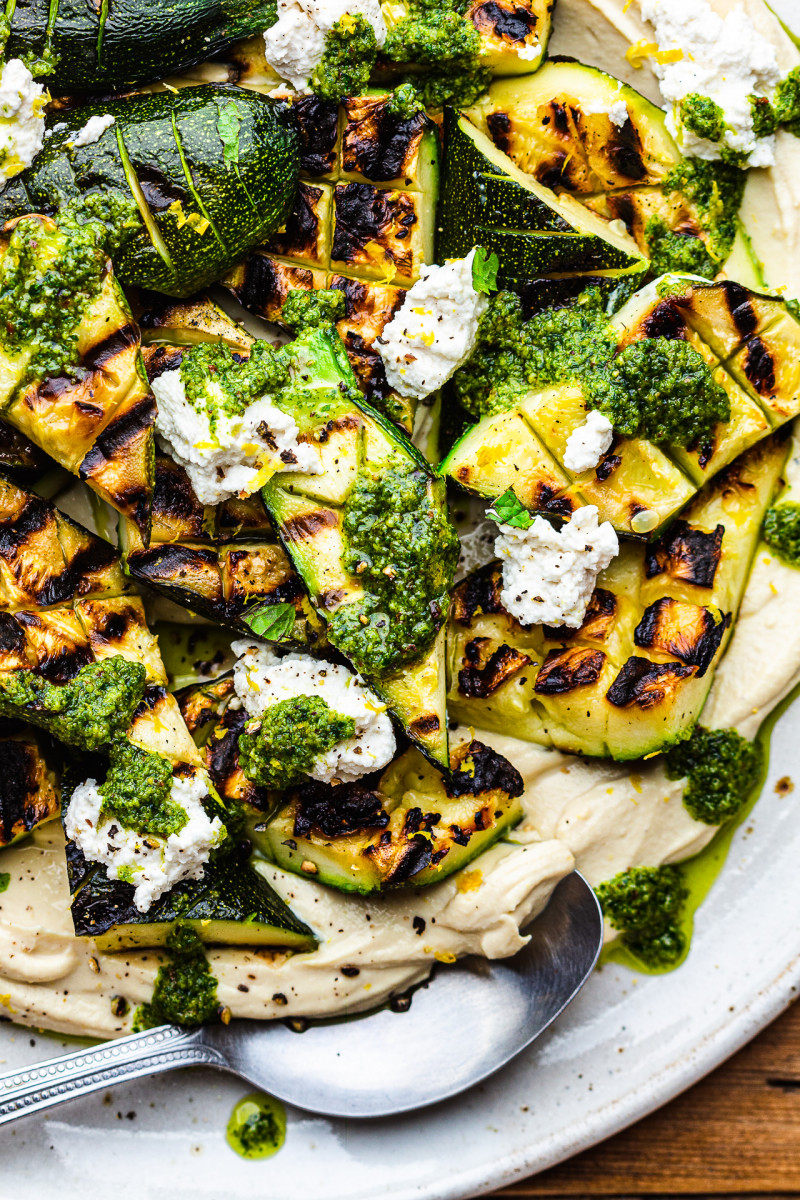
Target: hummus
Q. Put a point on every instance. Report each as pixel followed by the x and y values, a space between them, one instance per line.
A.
pixel 597 815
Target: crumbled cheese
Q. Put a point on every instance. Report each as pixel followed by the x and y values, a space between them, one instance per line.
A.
pixel 433 332
pixel 152 864
pixel 587 444
pixel 262 679
pixel 618 113
pixel 242 452
pixel 724 58
pixel 93 130
pixel 295 44
pixel 548 574
pixel 22 105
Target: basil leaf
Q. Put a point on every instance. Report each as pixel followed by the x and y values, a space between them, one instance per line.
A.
pixel 484 271
pixel 272 623
pixel 5 880
pixel 228 123
pixel 509 510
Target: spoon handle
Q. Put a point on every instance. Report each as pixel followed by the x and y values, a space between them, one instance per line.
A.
pixel 46 1084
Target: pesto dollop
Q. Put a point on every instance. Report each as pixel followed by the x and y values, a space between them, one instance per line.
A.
pixel 645 904
pixel 350 53
pixel 87 712
pixel 185 991
pixel 257 1126
pixel 217 382
pixel 136 791
pixel 714 190
pixel 321 308
pixel 703 117
pixel 677 252
pixel 782 532
pixel 403 550
pixel 721 767
pixel 292 734
pixel 435 35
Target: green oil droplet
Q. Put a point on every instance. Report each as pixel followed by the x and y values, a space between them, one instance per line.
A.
pixel 257 1127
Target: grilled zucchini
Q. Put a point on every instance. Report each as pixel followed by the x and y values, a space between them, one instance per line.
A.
pixel 633 679
pixel 751 343
pixel 30 794
pixel 95 415
pixel 582 132
pixel 213 171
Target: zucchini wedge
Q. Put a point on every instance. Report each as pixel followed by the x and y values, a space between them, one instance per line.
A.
pixel 90 408
pixel 582 132
pixel 213 171
pixel 30 794
pixel 106 47
pixel 751 343
pixel 633 679
pixel 486 200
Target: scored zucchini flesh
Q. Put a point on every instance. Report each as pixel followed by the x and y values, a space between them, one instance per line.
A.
pixel 203 201
pixel 750 341
pixel 30 794
pixel 97 420
pixel 362 223
pixel 633 679
pixel 486 200
pixel 557 127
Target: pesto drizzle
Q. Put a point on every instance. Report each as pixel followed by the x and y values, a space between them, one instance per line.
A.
pixel 185 991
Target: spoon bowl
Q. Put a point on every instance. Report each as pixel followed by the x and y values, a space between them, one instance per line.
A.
pixel 465 1024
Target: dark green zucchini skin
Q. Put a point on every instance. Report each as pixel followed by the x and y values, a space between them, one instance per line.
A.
pixel 106 45
pixel 175 154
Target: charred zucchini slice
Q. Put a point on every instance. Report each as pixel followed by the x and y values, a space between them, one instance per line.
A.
pixel 407 827
pixel 633 679
pixel 30 794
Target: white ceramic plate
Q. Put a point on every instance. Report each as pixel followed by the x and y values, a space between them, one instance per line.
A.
pixel 627 1045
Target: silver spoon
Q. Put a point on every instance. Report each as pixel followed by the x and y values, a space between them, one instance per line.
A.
pixel 472 1019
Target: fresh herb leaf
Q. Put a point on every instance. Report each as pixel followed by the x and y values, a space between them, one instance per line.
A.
pixel 273 623
pixel 5 880
pixel 228 123
pixel 509 510
pixel 484 271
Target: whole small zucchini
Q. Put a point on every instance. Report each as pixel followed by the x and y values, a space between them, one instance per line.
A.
pixel 213 171
pixel 111 44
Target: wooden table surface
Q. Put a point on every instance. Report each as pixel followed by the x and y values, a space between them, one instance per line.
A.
pixel 734 1134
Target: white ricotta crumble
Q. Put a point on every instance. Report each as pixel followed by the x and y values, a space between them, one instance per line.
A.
pixel 152 864
pixel 548 574
pixel 724 58
pixel 587 444
pixel 93 130
pixel 240 454
pixel 22 104
pixel 433 332
pixel 617 111
pixel 295 44
pixel 262 679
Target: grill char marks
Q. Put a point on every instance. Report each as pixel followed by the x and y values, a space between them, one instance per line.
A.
pixel 646 684
pixel 55 643
pixel 120 463
pixel 338 811
pixel 685 631
pixel 499 125
pixel 485 671
pixel 565 670
pixel 262 285
pixel 686 554
pixel 303 236
pixel 665 321
pixel 373 228
pixel 600 613
pixel 759 366
pixel 507 20
pixel 27 796
pixel 739 303
pixel 488 772
pixel 318 125
pixel 378 144
pixel 308 525
pixel 479 592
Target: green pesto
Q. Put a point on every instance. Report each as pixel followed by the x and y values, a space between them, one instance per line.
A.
pixel 405 102
pixel 763 116
pixel 185 991
pixel 661 389
pixel 782 532
pixel 403 550
pixel 715 190
pixel 112 217
pixel 435 35
pixel 322 308
pixel 721 768
pixel 786 102
pixel 5 880
pixel 679 252
pixel 136 791
pixel 292 734
pixel 645 904
pixel 216 384
pixel 350 53
pixel 88 712
pixel 257 1126
pixel 702 117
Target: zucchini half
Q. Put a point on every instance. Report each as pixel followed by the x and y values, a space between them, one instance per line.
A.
pixel 750 341
pixel 633 679
pixel 486 200
pixel 213 171
pixel 557 126
pixel 96 421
